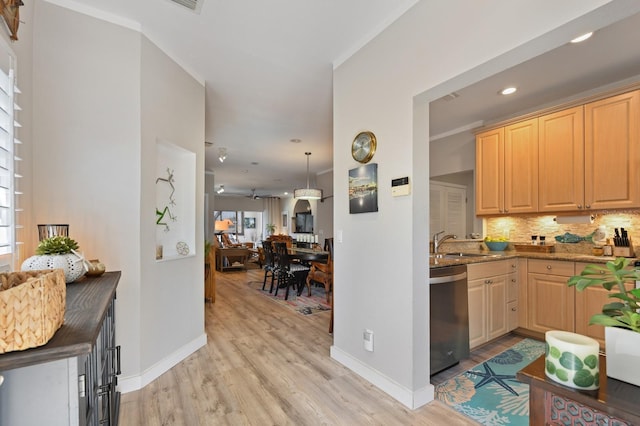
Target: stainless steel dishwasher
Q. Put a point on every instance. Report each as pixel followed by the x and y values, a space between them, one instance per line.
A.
pixel 449 317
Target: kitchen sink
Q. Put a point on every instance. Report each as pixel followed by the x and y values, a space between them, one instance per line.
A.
pixel 460 255
pixel 454 255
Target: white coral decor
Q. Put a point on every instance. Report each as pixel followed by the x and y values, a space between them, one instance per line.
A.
pixel 73 264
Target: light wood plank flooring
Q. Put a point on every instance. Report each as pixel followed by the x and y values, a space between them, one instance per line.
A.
pixel 268 365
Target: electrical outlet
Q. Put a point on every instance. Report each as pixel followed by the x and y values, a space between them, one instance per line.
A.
pixel 367 337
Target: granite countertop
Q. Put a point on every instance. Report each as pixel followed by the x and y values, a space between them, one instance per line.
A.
pixel 491 256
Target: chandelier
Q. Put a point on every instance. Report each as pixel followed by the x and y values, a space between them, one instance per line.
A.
pixel 308 193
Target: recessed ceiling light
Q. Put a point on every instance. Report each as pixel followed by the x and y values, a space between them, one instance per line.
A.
pixel 286 193
pixel 508 91
pixel 295 140
pixel 583 37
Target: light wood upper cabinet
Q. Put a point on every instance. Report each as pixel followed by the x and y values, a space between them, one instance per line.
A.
pixel 561 161
pixel 521 167
pixel 490 172
pixel 507 169
pixel 612 135
pixel 577 159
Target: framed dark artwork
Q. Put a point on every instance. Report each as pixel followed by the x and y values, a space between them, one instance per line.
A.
pixel 250 222
pixel 363 189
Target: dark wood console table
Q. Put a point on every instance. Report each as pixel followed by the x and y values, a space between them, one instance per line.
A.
pixel 72 379
pixel 614 398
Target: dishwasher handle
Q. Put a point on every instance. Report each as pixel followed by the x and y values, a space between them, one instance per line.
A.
pixel 448 278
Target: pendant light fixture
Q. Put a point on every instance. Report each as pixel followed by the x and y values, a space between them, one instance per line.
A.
pixel 308 193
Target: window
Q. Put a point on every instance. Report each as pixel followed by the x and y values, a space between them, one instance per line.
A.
pixel 8 156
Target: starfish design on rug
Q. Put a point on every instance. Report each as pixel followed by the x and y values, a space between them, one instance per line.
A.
pixel 490 376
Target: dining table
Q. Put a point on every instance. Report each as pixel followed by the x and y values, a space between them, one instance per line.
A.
pixel 306 255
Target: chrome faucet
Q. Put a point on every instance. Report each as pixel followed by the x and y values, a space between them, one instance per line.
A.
pixel 437 241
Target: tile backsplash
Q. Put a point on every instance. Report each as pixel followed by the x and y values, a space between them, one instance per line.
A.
pixel 519 229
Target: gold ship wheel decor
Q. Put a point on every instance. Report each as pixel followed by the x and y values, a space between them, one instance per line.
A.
pixel 11 14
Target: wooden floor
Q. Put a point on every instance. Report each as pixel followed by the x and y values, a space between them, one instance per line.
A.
pixel 267 365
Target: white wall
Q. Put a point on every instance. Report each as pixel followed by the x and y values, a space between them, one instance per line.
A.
pixel 453 154
pixel 171 292
pixel 86 148
pixel 103 94
pixel 381 267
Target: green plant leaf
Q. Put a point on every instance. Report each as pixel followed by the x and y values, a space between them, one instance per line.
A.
pixel 607 321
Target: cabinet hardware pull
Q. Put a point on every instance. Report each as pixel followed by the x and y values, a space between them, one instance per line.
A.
pixel 513 309
pixel 116 370
pixel 588 206
pixel 105 390
pixel 579 206
pixel 548 266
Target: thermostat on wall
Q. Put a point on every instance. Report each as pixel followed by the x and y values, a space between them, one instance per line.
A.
pixel 400 186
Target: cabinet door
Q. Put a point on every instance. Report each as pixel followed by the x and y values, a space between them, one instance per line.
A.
pixel 521 167
pixel 561 161
pixel 612 135
pixel 497 324
pixel 589 302
pixel 523 293
pixel 477 312
pixel 550 303
pixel 490 172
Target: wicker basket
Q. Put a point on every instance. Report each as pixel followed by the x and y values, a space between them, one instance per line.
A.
pixel 32 305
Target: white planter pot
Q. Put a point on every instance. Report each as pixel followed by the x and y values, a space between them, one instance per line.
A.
pixel 623 354
pixel 72 264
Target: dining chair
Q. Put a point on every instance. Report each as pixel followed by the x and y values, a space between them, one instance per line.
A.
pixel 270 267
pixel 289 273
pixel 322 272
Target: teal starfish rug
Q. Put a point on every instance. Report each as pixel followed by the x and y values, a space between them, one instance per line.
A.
pixel 489 393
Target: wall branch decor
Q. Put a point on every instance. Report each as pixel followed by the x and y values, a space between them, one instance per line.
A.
pixel 166 211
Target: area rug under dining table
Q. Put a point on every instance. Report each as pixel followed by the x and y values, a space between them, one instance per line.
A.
pixel 303 304
pixel 489 393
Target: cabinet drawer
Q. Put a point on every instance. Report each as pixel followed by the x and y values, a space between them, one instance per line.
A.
pixel 552 267
pixel 488 269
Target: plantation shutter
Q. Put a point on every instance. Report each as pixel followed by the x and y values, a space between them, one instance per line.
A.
pixel 8 159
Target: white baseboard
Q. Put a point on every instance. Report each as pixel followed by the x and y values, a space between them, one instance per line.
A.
pixel 134 383
pixel 411 399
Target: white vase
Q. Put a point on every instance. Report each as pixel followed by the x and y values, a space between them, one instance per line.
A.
pixel 623 354
pixel 572 359
pixel 71 263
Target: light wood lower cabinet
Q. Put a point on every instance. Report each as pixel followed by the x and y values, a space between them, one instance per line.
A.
pixel 550 302
pixel 488 287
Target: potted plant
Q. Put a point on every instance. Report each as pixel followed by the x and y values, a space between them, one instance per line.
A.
pixel 620 317
pixel 58 252
pixel 271 228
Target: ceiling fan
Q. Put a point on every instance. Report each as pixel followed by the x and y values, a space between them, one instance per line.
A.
pixel 255 196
